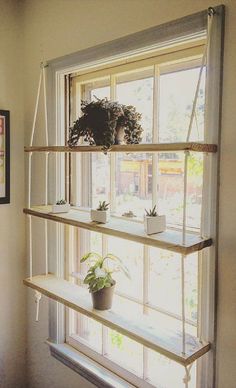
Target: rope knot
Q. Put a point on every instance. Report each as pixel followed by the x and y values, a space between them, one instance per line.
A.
pixel 211 11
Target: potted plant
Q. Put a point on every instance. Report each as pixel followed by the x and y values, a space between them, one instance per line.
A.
pixel 61 206
pixel 154 223
pixel 99 278
pixel 105 123
pixel 101 214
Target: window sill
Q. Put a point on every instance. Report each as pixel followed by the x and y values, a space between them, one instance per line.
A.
pixel 85 367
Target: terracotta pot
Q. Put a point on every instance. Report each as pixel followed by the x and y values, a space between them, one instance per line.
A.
pixel 102 299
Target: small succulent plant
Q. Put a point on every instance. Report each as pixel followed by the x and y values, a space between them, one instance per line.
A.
pixel 129 214
pixel 103 205
pixel 152 212
pixel 61 202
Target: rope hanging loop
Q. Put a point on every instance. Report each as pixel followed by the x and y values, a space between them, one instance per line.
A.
pixel 37 297
pixel 211 11
pixel 187 377
pixel 43 65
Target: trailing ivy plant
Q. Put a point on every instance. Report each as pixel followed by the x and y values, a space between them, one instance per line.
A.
pixel 101 121
pixel 100 270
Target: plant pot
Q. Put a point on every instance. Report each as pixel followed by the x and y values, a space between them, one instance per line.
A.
pixel 101 216
pixel 120 135
pixel 154 225
pixel 61 208
pixel 102 299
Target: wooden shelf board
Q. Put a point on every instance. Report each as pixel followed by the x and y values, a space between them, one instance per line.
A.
pixel 162 147
pixel 170 239
pixel 139 328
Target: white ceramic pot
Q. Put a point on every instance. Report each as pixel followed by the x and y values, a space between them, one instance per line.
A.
pixel 154 225
pixel 61 208
pixel 101 216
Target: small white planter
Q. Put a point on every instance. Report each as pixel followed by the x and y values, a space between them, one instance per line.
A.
pixel 101 216
pixel 154 225
pixel 61 208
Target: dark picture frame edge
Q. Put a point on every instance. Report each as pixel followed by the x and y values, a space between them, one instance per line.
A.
pixel 6 198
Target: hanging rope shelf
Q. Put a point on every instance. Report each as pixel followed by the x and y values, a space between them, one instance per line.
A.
pixel 189 348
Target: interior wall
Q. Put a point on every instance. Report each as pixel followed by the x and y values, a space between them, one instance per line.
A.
pixel 58 27
pixel 12 236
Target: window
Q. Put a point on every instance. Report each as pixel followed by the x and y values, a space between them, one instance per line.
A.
pixel 163 92
pixel 156 70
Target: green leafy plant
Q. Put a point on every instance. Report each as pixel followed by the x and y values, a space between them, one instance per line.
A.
pixel 102 119
pixel 103 205
pixel 152 212
pixel 100 270
pixel 61 202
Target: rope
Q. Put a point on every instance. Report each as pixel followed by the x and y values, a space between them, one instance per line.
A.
pixel 183 303
pixel 45 102
pixel 187 376
pixel 46 166
pixel 41 78
pixel 211 13
pixel 30 248
pixel 36 109
pixel 186 156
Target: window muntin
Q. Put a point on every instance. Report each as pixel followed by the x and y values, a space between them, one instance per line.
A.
pixel 162 183
pixel 136 181
pixel 134 360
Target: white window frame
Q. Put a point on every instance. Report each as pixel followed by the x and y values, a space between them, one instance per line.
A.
pixel 192 26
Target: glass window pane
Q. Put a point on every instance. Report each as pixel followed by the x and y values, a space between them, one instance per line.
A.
pixel 165 373
pixel 125 352
pixel 121 349
pixel 100 187
pixel 177 91
pixel 88 242
pixel 99 89
pixel 165 282
pixel 137 89
pixel 133 183
pixel 131 255
pixel 170 186
pixel 195 185
pixel 89 331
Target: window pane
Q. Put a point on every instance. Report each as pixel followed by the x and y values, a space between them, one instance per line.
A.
pixel 121 349
pixel 131 255
pixel 100 187
pixel 125 352
pixel 89 331
pixel 170 186
pixel 133 183
pixel 137 89
pixel 164 373
pixel 165 282
pixel 177 91
pixel 195 184
pixel 99 89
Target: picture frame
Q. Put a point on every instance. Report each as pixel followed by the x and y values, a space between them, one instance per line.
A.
pixel 4 156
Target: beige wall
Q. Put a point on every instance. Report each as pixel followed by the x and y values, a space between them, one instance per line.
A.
pixel 57 27
pixel 12 249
